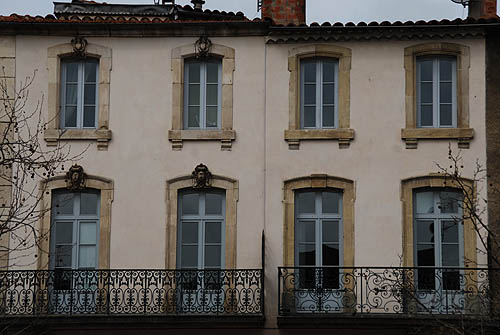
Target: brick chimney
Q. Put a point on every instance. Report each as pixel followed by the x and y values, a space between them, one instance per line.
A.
pixel 285 11
pixel 482 8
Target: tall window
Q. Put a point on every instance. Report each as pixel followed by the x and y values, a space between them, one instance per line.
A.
pixel 202 94
pixel 319 93
pixel 439 239
pixel 437 92
pixel 79 90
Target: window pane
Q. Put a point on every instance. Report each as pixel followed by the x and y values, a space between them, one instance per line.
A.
pixel 189 232
pixel 87 257
pixel 194 94
pixel 449 202
pixel 425 231
pixel 88 203
pixel 64 204
pixel 213 73
pixel 213 232
pixel 328 116
pixel 425 255
pixel 71 94
pixel 189 257
pixel 193 117
pixel 425 202
pixel 445 90
pixel 331 278
pixel 310 116
pixel 445 69
pixel 89 96
pixel 64 254
pixel 307 255
pixel 212 117
pixel 330 202
pixel 212 94
pixel 212 256
pixel 426 117
pixel 88 233
pixel 190 203
pixel 306 202
pixel 64 232
pixel 426 93
pixel 449 232
pixel 309 72
pixel 425 70
pixel 328 71
pixel 445 115
pixel 330 231
pixel 450 255
pixel 70 116
pixel 426 279
pixel 213 204
pixel 310 94
pixel 89 116
pixel 194 72
pixel 451 280
pixel 71 72
pixel 307 232
pixel 90 72
pixel 331 254
pixel 328 94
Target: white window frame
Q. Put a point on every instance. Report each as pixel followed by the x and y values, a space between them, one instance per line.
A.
pixel 80 93
pixel 436 100
pixel 319 92
pixel 203 89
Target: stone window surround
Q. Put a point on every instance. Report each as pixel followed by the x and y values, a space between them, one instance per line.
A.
pixel 106 187
pixel 54 133
pixel 434 181
pixel 225 134
pixel 411 134
pixel 294 134
pixel 232 195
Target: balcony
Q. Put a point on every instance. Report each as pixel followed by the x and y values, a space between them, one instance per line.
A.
pixel 224 296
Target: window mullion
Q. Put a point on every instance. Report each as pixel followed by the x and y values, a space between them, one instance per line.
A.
pixel 203 95
pixel 319 91
pixel 81 90
pixel 201 233
pixel 436 85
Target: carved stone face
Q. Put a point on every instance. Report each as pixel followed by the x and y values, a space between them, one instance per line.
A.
pixel 201 176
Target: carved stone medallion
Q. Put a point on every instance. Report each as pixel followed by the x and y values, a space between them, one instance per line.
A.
pixel 202 177
pixel 203 47
pixel 79 46
pixel 75 178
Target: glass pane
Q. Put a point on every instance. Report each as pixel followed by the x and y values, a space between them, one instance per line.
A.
pixel 451 280
pixel 425 202
pixel 331 279
pixel 449 202
pixel 64 232
pixel 212 94
pixel 194 72
pixel 309 74
pixel 307 254
pixel 213 232
pixel 306 202
pixel 307 278
pixel 426 279
pixel 213 204
pixel 70 117
pixel 425 231
pixel 328 116
pixel 90 72
pixel 193 117
pixel 89 95
pixel 71 72
pixel 330 231
pixel 64 254
pixel 64 204
pixel 450 255
pixel 328 94
pixel 310 117
pixel 194 94
pixel 212 256
pixel 189 255
pixel 71 94
pixel 328 71
pixel 89 116
pixel 426 93
pixel 445 90
pixel 87 257
pixel 88 203
pixel 331 254
pixel 88 233
pixel 425 70
pixel 307 231
pixel 425 255
pixel 330 202
pixel 445 69
pixel 449 232
pixel 213 73
pixel 212 117
pixel 190 232
pixel 309 94
pixel 426 117
pixel 445 115
pixel 190 203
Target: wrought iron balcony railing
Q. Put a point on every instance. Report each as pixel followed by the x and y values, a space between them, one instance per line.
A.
pixel 133 292
pixel 393 290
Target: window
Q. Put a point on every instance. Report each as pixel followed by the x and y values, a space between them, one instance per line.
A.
pixel 79 91
pixel 319 93
pixel 202 109
pixel 437 92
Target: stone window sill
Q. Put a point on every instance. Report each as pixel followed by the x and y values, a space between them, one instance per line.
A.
pixel 102 136
pixel 412 135
pixel 343 135
pixel 225 136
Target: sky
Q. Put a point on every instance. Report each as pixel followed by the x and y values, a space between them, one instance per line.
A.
pixel 317 10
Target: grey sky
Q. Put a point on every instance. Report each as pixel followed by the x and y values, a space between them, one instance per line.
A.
pixel 317 10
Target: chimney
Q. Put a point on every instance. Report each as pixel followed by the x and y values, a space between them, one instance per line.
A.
pixel 198 4
pixel 285 11
pixel 482 8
